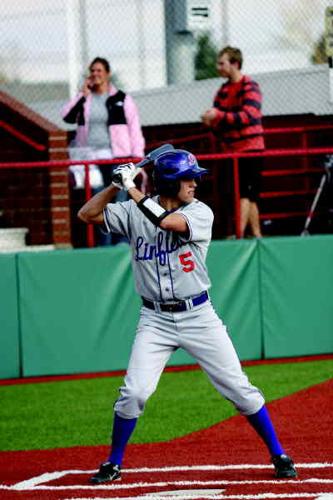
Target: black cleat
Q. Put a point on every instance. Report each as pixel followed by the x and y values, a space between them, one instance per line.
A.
pixel 107 472
pixel 284 466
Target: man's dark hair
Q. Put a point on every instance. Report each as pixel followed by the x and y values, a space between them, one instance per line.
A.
pixel 235 55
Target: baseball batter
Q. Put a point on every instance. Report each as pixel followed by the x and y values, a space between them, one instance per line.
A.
pixel 169 236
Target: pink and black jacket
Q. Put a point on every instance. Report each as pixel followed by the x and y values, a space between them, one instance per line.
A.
pixel 123 122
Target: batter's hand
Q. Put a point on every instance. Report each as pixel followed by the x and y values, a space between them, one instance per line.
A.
pixel 123 176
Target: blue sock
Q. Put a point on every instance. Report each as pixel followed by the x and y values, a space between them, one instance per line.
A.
pixel 122 430
pixel 262 423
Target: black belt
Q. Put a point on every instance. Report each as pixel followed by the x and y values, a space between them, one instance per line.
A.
pixel 180 306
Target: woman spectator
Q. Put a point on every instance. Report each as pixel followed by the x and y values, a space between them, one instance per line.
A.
pixel 108 124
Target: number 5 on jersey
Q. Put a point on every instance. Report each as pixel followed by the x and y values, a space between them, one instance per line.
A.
pixel 186 261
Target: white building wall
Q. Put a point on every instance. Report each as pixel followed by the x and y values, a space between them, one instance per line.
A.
pixel 284 93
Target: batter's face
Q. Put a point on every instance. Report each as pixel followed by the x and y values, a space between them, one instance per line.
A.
pixel 187 190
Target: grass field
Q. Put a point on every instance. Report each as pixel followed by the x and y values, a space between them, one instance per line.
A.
pixel 79 412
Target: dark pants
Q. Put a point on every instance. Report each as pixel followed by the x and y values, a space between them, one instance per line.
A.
pixel 250 177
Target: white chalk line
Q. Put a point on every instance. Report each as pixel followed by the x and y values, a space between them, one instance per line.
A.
pixel 161 484
pixel 260 496
pixel 49 476
pixel 35 482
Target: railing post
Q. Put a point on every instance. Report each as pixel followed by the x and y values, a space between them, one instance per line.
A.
pixel 87 187
pixel 235 165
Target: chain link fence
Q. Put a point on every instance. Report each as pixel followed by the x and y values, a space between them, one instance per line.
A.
pixel 155 45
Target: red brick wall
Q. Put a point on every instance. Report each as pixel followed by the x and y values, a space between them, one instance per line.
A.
pixel 34 198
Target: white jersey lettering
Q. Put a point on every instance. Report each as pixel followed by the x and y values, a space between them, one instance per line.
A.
pixel 167 266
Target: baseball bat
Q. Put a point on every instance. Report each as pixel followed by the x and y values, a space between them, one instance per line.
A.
pixel 149 158
pixel 155 153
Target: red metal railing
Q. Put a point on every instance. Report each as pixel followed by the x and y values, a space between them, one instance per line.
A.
pixel 64 164
pixel 206 157
pixel 303 131
pixel 22 137
pixel 265 154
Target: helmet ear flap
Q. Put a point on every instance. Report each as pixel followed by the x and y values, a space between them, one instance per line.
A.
pixel 165 187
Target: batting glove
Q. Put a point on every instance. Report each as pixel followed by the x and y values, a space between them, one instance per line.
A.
pixel 123 176
pixel 115 182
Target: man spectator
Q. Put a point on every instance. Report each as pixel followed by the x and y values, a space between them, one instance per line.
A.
pixel 236 120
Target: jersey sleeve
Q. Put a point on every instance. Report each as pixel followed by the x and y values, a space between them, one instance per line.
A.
pixel 117 216
pixel 199 218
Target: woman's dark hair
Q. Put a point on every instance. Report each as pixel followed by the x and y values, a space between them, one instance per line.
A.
pixel 102 61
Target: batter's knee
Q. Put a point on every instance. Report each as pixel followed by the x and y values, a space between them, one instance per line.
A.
pixel 249 401
pixel 131 402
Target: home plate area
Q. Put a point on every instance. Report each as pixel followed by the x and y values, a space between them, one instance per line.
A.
pixel 225 461
pixel 234 481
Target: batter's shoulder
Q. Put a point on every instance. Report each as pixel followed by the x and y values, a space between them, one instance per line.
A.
pixel 199 207
pixel 203 205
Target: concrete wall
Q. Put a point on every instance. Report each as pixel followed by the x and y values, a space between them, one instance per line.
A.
pixel 297 91
pixel 285 93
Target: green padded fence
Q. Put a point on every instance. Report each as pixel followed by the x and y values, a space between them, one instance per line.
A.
pixel 9 318
pixel 297 295
pixel 75 311
pixel 233 269
pixel 79 309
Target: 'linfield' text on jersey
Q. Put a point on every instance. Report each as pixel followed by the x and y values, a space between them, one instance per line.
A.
pixel 163 247
pixel 167 266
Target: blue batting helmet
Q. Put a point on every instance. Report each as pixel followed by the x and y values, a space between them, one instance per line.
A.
pixel 171 167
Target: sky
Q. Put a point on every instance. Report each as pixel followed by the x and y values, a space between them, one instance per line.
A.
pixel 35 36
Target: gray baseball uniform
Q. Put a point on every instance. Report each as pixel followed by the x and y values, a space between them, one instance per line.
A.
pixel 170 267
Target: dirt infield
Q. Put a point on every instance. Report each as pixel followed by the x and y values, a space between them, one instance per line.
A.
pixel 226 461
